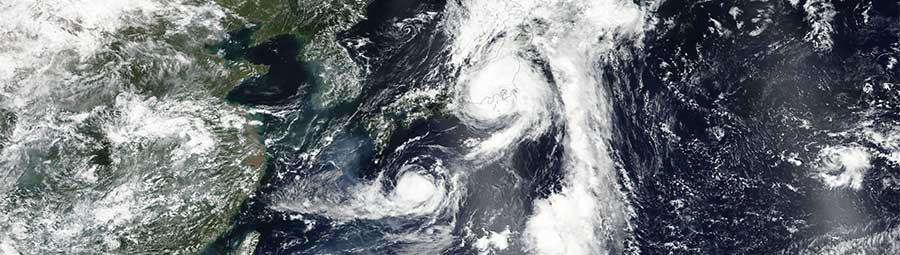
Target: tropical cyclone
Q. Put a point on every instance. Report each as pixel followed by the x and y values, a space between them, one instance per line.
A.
pixel 573 40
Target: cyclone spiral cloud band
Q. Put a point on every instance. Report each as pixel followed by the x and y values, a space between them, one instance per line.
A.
pixel 449 127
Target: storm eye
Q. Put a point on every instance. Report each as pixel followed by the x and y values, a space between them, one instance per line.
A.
pixel 414 188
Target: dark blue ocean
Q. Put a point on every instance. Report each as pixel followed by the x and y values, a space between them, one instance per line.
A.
pixel 733 128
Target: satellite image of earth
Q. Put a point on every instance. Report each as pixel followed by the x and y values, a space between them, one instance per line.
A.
pixel 449 127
